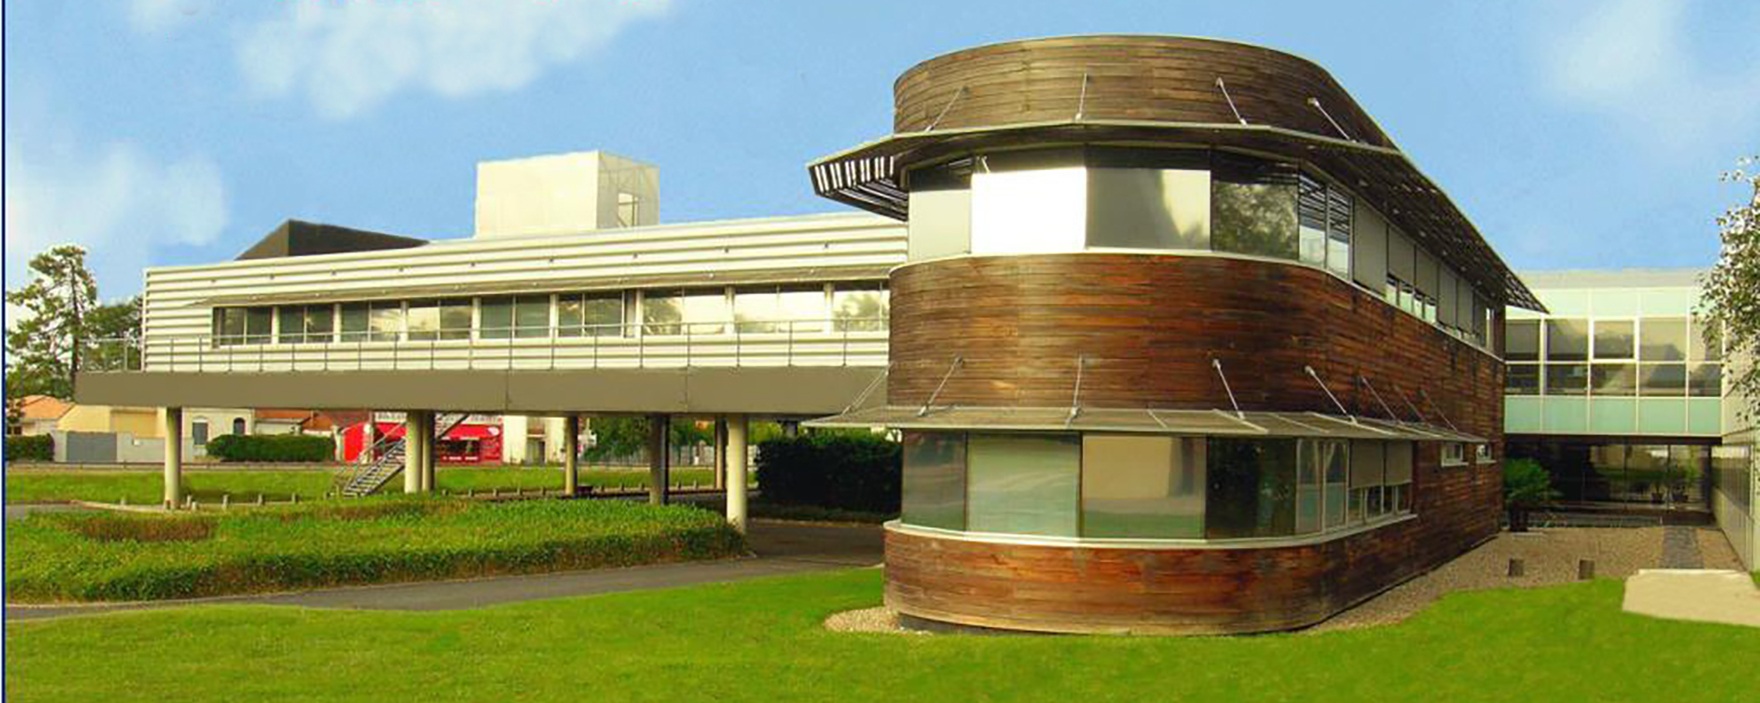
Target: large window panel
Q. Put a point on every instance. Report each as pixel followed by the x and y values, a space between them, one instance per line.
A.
pixel 531 316
pixel 860 306
pixel 1567 379
pixel 1705 344
pixel 1705 381
pixel 1142 486
pixel 940 221
pixel 1253 207
pixel 1023 484
pixel 1567 340
pixel 934 480
pixel 779 309
pixel 706 311
pixel 1338 231
pixel 385 321
pixel 589 314
pixel 1368 475
pixel 1252 488
pixel 1522 379
pixel 1335 463
pixel 355 321
pixel 455 318
pixel 423 319
pixel 1039 211
pixel 1662 339
pixel 1399 476
pixel 257 323
pixel 662 312
pixel 1148 208
pixel 1615 339
pixel 1521 340
pixel 1614 379
pixel 497 318
pixel 1663 380
pixel 1311 219
pixel 320 323
pixel 290 322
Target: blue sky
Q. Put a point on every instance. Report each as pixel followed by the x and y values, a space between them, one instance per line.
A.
pixel 1575 134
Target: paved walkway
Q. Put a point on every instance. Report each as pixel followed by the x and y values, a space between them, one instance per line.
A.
pixel 780 548
pixel 1703 595
pixel 1680 548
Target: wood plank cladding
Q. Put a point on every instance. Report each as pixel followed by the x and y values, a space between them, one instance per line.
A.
pixel 1149 325
pixel 1166 79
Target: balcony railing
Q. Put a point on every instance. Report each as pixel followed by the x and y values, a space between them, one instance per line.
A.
pixel 646 345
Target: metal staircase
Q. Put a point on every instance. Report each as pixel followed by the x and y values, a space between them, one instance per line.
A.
pixel 372 474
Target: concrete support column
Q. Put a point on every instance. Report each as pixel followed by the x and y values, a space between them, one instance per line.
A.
pixel 659 459
pixel 428 446
pixel 720 452
pixel 571 455
pixel 412 452
pixel 736 472
pixel 173 431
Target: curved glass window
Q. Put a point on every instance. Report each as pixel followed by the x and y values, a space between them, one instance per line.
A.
pixel 1023 484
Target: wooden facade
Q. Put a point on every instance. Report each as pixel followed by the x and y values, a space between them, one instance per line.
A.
pixel 1149 325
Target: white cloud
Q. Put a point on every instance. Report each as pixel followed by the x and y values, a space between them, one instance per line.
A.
pixel 346 57
pixel 116 200
pixel 159 16
pixel 1633 61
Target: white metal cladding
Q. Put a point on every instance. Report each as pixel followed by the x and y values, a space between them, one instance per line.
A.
pixel 176 307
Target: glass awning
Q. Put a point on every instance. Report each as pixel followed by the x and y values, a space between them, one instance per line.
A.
pixel 1143 421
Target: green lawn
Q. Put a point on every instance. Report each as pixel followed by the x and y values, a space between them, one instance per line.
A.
pixel 104 555
pixel 761 641
pixel 207 485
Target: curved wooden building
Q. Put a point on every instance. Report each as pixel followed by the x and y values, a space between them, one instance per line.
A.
pixel 1184 343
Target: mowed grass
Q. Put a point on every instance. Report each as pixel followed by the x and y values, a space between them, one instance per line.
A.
pixel 762 641
pixel 208 485
pixel 52 557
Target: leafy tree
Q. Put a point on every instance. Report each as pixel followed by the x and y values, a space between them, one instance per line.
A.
pixel 1730 300
pixel 115 333
pixel 44 348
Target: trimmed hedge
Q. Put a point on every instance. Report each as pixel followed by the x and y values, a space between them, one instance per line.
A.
pixel 52 557
pixel 271 447
pixel 858 472
pixel 37 447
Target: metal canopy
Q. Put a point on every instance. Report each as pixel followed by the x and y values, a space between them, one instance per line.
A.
pixel 1141 421
pixel 869 177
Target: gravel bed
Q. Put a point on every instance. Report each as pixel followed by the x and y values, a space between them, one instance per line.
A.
pixel 1716 550
pixel 877 619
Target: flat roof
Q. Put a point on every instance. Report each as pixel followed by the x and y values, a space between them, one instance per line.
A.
pixel 1613 278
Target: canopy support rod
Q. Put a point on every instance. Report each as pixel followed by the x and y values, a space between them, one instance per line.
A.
pixel 1075 402
pixel 1408 400
pixel 1328 391
pixel 949 106
pixel 1082 102
pixel 1426 396
pixel 1316 103
pixel 1379 399
pixel 1217 363
pixel 869 390
pixel 958 361
pixel 1225 96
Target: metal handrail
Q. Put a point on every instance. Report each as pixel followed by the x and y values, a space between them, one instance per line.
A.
pixel 651 344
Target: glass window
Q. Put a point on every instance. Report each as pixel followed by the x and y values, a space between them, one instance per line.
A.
pixel 1252 488
pixel 779 309
pixel 1481 453
pixel 1368 474
pixel 290 324
pixel 1522 379
pixel 1253 207
pixel 629 210
pixel 1567 340
pixel 1705 343
pixel 384 321
pixel 1311 219
pixel 228 326
pixel 423 319
pixel 1567 379
pixel 1023 484
pixel 1454 453
pixel 662 312
pixel 1614 339
pixel 1614 379
pixel 589 314
pixel 198 432
pixel 1335 461
pixel 1399 477
pixel 1521 340
pixel 531 316
pixel 1320 484
pixel 354 322
pixel 497 318
pixel 320 323
pixel 934 480
pixel 1705 381
pixel 1147 208
pixel 1662 339
pixel 1142 486
pixel 706 311
pixel 257 322
pixel 860 307
pixel 1664 380
pixel 1338 232
pixel 455 318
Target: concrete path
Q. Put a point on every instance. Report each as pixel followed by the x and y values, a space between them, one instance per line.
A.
pixel 1680 548
pixel 1703 595
pixel 780 548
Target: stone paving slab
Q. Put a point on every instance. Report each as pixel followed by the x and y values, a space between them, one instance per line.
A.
pixel 1702 595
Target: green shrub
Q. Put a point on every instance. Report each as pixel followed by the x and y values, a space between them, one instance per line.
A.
pixel 78 557
pixel 1526 484
pixel 36 447
pixel 859 472
pixel 271 447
